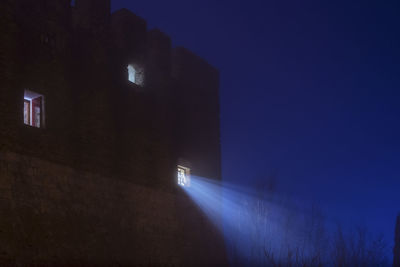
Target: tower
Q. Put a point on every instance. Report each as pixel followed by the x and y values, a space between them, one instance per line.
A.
pixel 198 116
pixel 93 126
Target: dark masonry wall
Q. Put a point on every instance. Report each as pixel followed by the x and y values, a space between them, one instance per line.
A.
pixel 197 85
pixel 96 184
pixel 396 249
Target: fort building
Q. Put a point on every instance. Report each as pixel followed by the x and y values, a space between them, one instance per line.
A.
pixel 101 123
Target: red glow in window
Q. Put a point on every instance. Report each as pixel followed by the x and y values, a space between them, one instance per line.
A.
pixel 33 109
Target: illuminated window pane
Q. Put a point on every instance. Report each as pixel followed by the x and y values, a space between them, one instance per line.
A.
pixel 136 74
pixel 183 176
pixel 131 74
pixel 33 109
pixel 27 112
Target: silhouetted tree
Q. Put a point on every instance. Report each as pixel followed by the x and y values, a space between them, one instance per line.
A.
pixel 357 248
pixel 396 250
pixel 278 233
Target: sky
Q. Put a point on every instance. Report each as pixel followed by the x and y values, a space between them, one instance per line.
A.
pixel 309 92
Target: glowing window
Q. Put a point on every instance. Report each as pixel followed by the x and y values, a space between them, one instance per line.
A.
pixel 73 3
pixel 131 74
pixel 136 74
pixel 183 176
pixel 33 109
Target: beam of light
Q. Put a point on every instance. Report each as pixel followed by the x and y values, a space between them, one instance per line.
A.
pixel 256 226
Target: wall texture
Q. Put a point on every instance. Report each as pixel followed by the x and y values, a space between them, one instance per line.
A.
pixel 97 184
pixel 52 214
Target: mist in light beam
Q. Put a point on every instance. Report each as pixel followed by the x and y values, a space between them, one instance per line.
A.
pixel 257 224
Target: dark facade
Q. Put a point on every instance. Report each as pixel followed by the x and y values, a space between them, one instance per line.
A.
pixel 96 182
pixel 396 250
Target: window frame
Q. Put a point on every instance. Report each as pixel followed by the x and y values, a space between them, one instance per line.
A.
pixel 136 74
pixel 29 98
pixel 186 179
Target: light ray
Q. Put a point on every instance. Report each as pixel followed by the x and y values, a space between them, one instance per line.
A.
pixel 254 223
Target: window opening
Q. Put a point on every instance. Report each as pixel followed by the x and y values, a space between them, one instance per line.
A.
pixel 136 74
pixel 131 74
pixel 183 176
pixel 33 109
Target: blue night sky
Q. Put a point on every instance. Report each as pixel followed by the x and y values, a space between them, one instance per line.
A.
pixel 309 90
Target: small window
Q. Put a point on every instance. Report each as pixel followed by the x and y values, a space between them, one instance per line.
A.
pixel 183 176
pixel 33 109
pixel 131 74
pixel 72 3
pixel 135 74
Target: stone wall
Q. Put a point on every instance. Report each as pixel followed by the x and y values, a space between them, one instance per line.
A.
pixel 98 184
pixel 52 214
pixel 197 84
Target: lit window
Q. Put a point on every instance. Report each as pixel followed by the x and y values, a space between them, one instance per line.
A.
pixel 183 176
pixel 33 109
pixel 131 74
pixel 73 3
pixel 136 74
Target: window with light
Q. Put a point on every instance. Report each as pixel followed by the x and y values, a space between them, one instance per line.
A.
pixel 33 109
pixel 131 74
pixel 136 74
pixel 183 176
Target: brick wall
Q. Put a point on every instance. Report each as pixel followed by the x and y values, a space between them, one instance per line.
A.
pixel 197 84
pixel 52 214
pixel 98 183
